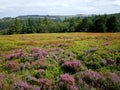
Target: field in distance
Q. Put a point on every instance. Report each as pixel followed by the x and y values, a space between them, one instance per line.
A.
pixel 60 61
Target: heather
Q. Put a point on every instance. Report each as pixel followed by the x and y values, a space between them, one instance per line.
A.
pixel 64 61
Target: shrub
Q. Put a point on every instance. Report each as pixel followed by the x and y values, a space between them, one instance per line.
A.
pixel 44 84
pixel 67 82
pixel 21 86
pixel 110 81
pixel 91 77
pixel 33 80
pixel 103 62
pixel 12 66
pixel 71 66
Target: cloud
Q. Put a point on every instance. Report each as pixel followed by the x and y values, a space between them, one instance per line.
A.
pixel 22 7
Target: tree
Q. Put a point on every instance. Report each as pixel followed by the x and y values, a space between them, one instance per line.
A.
pixel 85 25
pixel 16 27
pixel 112 24
pixel 99 24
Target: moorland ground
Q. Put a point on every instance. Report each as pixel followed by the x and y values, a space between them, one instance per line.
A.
pixel 60 61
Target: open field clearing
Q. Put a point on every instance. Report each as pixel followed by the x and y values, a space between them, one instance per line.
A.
pixel 60 61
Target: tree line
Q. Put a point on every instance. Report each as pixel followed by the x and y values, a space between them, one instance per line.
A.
pixel 100 23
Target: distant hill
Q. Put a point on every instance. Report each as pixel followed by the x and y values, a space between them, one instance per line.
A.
pixel 53 17
pixel 116 15
pixel 56 17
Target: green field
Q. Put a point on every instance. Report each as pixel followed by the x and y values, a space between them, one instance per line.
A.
pixel 60 61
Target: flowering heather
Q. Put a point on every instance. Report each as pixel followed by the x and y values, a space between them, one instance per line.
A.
pixel 37 64
pixel 38 54
pixel 37 88
pixel 44 84
pixel 21 86
pixel 111 61
pixel 91 76
pixel 34 50
pixel 74 88
pixel 12 66
pixel 33 80
pixel 67 82
pixel 110 81
pixel 113 77
pixel 71 66
pixel 16 54
pixel 27 65
pixel 67 79
pixel 103 62
pixel 91 62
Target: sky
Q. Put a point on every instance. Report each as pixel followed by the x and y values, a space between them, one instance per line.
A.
pixel 13 8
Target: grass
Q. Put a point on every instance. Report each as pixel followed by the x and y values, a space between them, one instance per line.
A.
pixel 97 52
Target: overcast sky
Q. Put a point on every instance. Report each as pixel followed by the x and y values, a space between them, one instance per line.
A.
pixel 13 8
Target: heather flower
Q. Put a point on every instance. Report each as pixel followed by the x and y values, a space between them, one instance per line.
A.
pixel 111 61
pixel 103 62
pixel 33 80
pixel 9 56
pixel 16 54
pixel 73 88
pixel 71 66
pixel 67 82
pixel 34 50
pixel 44 84
pixel 27 65
pixel 113 77
pixel 21 86
pixel 26 57
pixel 37 88
pixel 93 76
pixel 12 66
pixel 67 79
pixel 91 62
pixel 110 81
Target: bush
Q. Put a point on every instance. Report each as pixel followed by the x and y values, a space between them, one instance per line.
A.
pixel 21 86
pixel 71 66
pixel 67 82
pixel 12 66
